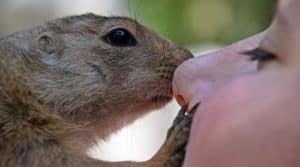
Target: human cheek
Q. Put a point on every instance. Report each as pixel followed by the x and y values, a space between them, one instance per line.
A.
pixel 224 105
pixel 252 120
pixel 215 122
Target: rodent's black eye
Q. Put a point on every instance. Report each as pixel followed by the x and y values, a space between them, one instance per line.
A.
pixel 120 37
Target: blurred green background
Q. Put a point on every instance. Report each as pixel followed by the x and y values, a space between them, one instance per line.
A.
pixel 189 22
pixel 186 22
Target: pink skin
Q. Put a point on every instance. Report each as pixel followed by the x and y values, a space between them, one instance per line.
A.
pixel 197 78
pixel 249 115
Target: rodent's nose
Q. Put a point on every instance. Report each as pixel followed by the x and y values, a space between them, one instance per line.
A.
pixel 183 55
pixel 177 55
pixel 186 54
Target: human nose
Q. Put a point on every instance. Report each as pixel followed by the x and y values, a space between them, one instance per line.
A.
pixel 197 78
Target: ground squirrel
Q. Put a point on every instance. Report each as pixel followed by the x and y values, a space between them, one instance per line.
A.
pixel 71 80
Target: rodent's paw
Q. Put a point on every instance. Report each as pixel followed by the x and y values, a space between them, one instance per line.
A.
pixel 178 136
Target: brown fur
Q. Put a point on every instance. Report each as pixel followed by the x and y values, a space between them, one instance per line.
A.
pixel 62 86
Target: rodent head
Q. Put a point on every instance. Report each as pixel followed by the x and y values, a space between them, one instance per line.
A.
pixel 86 65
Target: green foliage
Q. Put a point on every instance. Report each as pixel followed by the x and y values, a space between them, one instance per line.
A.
pixel 188 22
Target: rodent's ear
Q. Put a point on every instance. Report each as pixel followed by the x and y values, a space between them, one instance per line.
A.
pixel 48 43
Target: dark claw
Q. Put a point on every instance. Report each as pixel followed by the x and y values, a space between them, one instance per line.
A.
pixel 181 115
pixel 182 123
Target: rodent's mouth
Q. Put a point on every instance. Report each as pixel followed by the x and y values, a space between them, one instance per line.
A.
pixel 161 98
